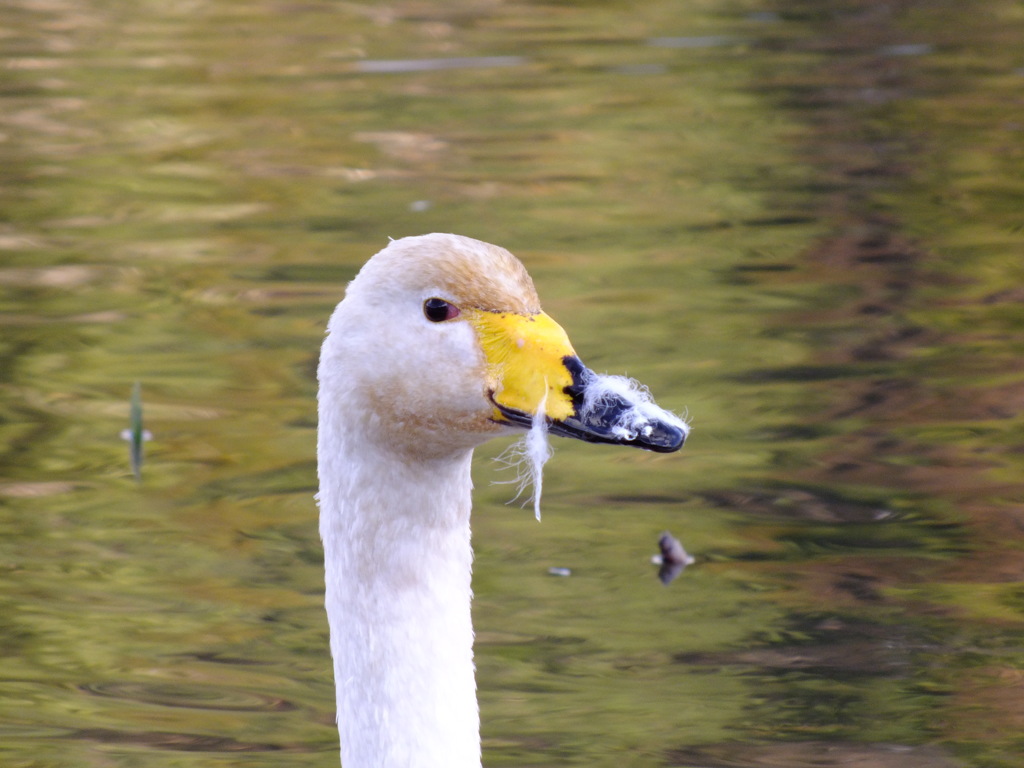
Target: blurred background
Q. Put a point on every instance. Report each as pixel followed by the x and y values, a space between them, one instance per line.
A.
pixel 801 223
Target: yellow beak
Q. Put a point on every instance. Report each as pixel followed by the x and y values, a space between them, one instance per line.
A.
pixel 526 363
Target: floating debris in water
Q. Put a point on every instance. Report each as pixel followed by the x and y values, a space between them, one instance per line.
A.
pixel 907 49
pixel 135 434
pixel 395 66
pixel 554 571
pixel 698 41
pixel 673 558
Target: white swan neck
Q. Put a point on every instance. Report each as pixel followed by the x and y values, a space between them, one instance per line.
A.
pixel 398 567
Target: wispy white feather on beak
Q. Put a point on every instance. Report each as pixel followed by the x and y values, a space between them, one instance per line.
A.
pixel 537 451
pixel 528 455
pixel 636 421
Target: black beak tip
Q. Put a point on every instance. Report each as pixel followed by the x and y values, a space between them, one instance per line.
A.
pixel 657 435
pixel 664 438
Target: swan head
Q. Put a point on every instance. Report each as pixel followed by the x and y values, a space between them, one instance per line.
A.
pixel 440 344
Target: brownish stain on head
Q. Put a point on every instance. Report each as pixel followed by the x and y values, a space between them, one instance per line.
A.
pixel 468 272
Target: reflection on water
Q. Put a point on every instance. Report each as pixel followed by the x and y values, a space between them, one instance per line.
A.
pixel 799 222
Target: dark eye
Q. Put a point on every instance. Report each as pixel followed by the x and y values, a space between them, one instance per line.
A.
pixel 439 310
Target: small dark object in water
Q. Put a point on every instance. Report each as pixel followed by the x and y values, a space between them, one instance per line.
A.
pixel 135 434
pixel 673 558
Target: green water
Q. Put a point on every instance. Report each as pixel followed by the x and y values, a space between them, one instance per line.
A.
pixel 799 222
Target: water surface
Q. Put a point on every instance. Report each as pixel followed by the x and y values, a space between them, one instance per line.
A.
pixel 798 222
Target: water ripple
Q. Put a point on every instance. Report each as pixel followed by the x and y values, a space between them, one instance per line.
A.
pixel 181 742
pixel 190 696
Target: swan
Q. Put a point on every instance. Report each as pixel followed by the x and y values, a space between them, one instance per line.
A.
pixel 438 345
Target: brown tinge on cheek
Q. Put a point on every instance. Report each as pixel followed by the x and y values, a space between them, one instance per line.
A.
pixel 406 422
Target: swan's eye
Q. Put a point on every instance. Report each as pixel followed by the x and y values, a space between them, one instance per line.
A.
pixel 439 310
